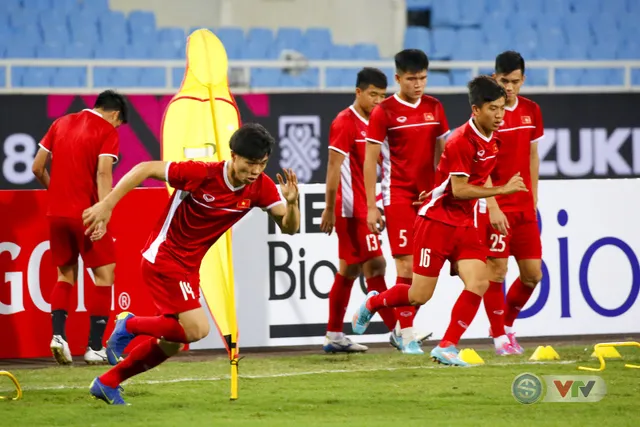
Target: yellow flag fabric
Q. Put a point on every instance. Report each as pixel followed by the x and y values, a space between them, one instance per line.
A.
pixel 197 125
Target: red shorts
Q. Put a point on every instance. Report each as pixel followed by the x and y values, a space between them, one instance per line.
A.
pixel 437 242
pixel 523 240
pixel 356 244
pixel 68 241
pixel 174 291
pixel 399 222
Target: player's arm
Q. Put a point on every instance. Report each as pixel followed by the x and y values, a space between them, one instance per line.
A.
pixel 497 218
pixel 440 143
pixel 97 216
pixel 461 188
pixel 444 132
pixel 104 176
pixel 336 158
pixel 535 171
pixel 39 167
pixel 287 217
pixel 376 134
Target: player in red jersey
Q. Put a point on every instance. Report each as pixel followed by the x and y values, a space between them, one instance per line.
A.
pixel 83 148
pixel 512 225
pixel 209 199
pixel 346 210
pixel 446 226
pixel 409 129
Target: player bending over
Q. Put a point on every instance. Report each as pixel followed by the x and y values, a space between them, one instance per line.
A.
pixel 512 226
pixel 83 148
pixel 210 197
pixel 445 228
pixel 346 210
pixel 409 129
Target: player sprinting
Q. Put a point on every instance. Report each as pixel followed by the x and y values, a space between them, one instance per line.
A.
pixel 410 130
pixel 209 199
pixel 346 210
pixel 512 226
pixel 83 148
pixel 446 225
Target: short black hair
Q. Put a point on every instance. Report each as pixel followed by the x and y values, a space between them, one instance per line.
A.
pixel 110 100
pixel 252 141
pixel 508 62
pixel 483 89
pixel 370 76
pixel 411 61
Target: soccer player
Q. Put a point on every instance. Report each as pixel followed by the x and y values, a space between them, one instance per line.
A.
pixel 445 228
pixel 346 210
pixel 410 130
pixel 83 148
pixel 210 198
pixel 513 228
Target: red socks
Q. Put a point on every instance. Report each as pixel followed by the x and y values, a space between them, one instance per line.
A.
pixel 143 357
pixel 407 313
pixel 338 301
pixel 60 296
pixel 517 297
pixel 494 305
pixel 378 284
pixel 166 327
pixel 462 315
pixel 100 303
pixel 397 296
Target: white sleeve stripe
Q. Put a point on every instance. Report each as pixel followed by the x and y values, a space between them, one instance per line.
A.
pixel 538 139
pixel 459 173
pixel 444 134
pixel 109 155
pixel 375 141
pixel 279 202
pixel 166 171
pixel 44 148
pixel 339 151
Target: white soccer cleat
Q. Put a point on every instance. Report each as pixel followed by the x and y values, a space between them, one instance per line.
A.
pixel 93 357
pixel 343 345
pixel 60 350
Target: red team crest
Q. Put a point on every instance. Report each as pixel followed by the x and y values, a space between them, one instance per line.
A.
pixel 429 117
pixel 526 120
pixel 244 204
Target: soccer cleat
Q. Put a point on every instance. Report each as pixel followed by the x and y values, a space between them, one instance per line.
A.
pixel 395 340
pixel 344 345
pixel 60 350
pixel 422 336
pixel 447 356
pixel 506 350
pixel 95 357
pixel 119 339
pixel 514 343
pixel 110 395
pixel 413 347
pixel 363 316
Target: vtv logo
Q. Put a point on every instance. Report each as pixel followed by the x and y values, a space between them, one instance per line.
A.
pixel 574 388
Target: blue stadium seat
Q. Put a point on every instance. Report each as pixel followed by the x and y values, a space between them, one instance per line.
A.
pixel 18 49
pixel 334 76
pixel 142 25
pixel 166 50
pixel 3 76
pixel 468 44
pixel 494 25
pixel 173 36
pixel 11 5
pixel 259 44
pixel 576 28
pixel 34 6
pixel 522 22
pixel 470 13
pixel 54 27
pixel 69 77
pixel 445 13
pixel 460 77
pixel 631 50
pixel 568 77
pixel 102 76
pixel 616 7
pixel 315 50
pixel 556 7
pixel 575 51
pixel 233 40
pixel 265 77
pixel 152 77
pixel 340 52
pixel 288 38
pixel 125 77
pixel 503 6
pixel 82 17
pixel 109 51
pixel 66 6
pixel 84 32
pixel 537 77
pixel 602 51
pixel 587 7
pixel 177 74
pixel 137 51
pixel 635 77
pixel 320 36
pixel 38 77
pixel 113 28
pixel 443 40
pixel 309 78
pixel 417 38
pixel 438 79
pixel 529 7
pixel 602 77
pixel 366 51
pixel 419 5
pixel 50 50
pixel 21 18
pixel 78 50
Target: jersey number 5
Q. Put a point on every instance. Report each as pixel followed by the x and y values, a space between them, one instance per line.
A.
pixel 497 243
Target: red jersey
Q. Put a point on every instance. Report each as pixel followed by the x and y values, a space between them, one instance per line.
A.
pixel 408 134
pixel 347 136
pixel 75 142
pixel 468 153
pixel 203 207
pixel 522 126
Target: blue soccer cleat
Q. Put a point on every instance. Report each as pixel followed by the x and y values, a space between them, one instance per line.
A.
pixel 110 395
pixel 447 356
pixel 413 347
pixel 119 339
pixel 363 316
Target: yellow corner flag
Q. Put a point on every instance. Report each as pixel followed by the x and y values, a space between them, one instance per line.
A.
pixel 197 125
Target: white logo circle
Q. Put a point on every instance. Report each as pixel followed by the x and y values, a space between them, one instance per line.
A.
pixel 124 301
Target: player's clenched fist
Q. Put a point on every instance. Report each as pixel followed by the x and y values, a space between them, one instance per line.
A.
pixel 514 185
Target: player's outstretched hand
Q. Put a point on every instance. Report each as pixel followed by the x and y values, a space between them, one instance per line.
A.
pixel 422 197
pixel 99 232
pixel 499 221
pixel 328 221
pixel 374 220
pixel 96 219
pixel 289 185
pixel 514 185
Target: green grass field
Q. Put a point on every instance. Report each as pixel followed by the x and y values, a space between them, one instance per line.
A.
pixel 384 388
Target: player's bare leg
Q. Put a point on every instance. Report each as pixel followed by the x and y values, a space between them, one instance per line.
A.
pixel 335 340
pixel 60 300
pixel 495 307
pixel 519 293
pixel 167 334
pixel 473 273
pixel 99 310
pixel 404 337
